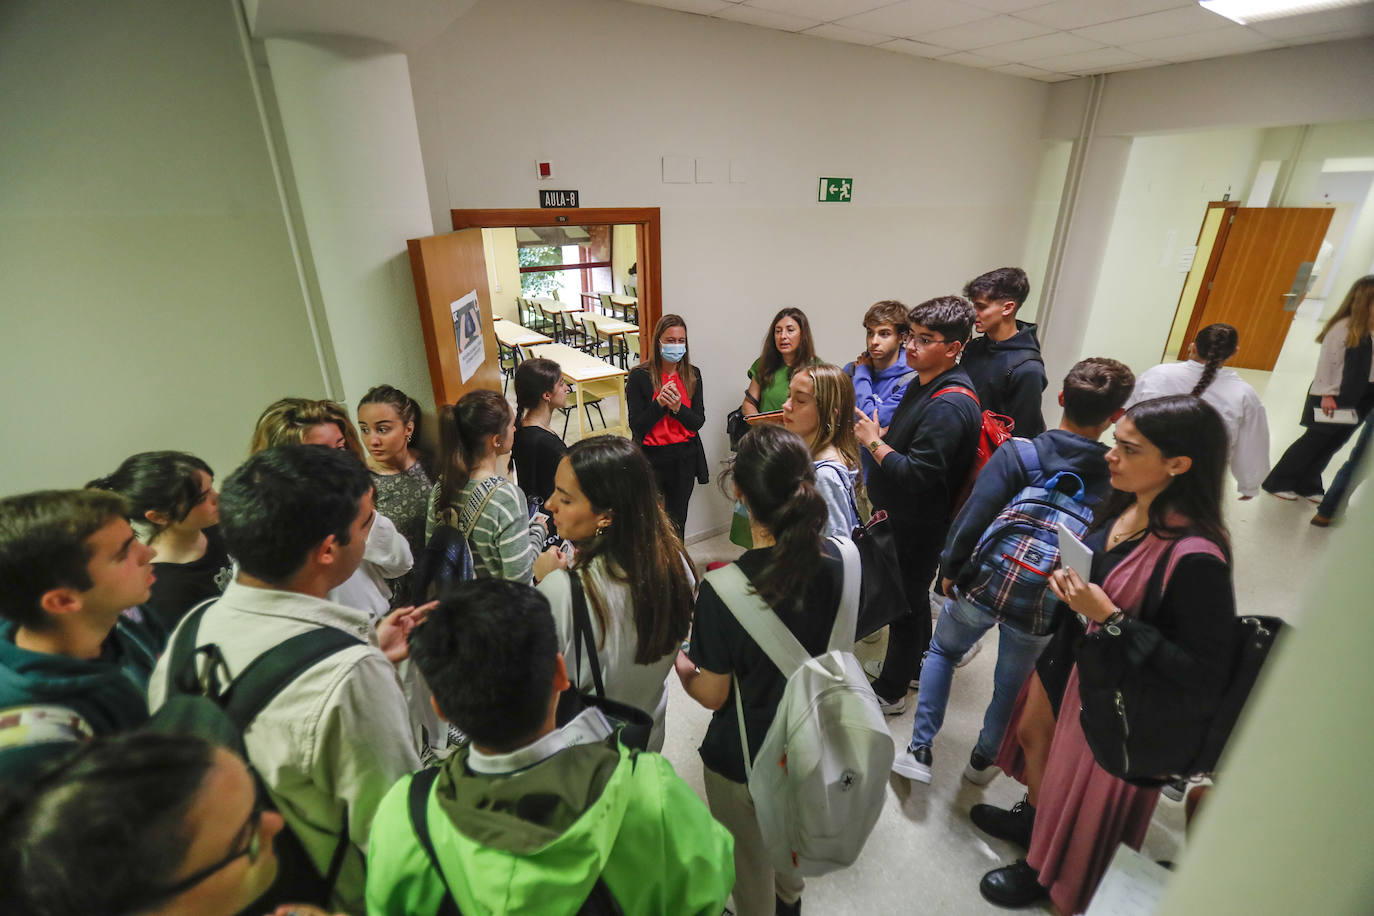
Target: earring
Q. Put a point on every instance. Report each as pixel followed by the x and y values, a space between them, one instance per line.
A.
pixel 601 529
pixel 407 440
pixel 1173 473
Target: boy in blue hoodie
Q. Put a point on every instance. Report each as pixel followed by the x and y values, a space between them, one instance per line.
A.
pixel 1094 392
pixel 71 665
pixel 881 374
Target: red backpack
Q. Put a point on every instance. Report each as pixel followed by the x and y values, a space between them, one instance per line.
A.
pixel 993 430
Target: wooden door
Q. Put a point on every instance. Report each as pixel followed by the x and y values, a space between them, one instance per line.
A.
pixel 447 268
pixel 1263 249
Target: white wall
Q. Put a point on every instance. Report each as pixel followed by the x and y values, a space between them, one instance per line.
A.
pixel 149 295
pixel 1169 180
pixel 944 160
pixel 1049 189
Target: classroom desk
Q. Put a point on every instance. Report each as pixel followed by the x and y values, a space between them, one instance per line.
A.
pixel 517 335
pixel 556 309
pixel 591 375
pixel 615 329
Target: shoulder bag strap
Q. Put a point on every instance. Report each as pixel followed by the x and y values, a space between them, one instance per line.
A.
pixel 582 633
pixel 476 503
pixel 843 634
pixel 181 654
pixel 417 800
pixel 272 671
pixel 958 389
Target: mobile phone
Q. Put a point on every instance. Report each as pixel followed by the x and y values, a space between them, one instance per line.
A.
pixel 567 549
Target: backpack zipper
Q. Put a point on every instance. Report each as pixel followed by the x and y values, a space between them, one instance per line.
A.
pixel 1125 731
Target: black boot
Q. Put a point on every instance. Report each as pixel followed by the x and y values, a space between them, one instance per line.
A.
pixel 1014 885
pixel 1014 826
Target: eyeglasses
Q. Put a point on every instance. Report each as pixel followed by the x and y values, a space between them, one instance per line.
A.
pixel 252 849
pixel 924 341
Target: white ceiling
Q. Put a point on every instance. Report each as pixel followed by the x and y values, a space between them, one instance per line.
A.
pixel 1047 40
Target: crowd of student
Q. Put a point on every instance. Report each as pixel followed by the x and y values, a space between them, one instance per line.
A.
pixel 390 739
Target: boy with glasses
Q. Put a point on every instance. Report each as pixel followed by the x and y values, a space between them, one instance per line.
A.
pixel 920 464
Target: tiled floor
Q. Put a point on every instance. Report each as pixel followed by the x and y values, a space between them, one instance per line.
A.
pixel 925 856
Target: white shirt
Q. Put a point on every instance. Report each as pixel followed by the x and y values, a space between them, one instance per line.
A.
pixel 335 740
pixel 643 686
pixel 387 556
pixel 1247 425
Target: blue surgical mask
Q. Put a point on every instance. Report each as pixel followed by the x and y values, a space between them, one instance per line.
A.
pixel 674 352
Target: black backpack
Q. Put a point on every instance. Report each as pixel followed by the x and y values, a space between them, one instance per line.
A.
pixel 199 703
pixel 598 903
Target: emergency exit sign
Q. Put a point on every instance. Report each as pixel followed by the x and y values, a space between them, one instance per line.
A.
pixel 835 190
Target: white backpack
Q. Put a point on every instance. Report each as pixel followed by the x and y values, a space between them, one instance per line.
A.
pixel 823 768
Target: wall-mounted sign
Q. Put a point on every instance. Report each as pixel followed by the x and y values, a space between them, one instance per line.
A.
pixel 550 199
pixel 835 190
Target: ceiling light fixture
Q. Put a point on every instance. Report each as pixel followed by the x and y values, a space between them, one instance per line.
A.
pixel 1247 11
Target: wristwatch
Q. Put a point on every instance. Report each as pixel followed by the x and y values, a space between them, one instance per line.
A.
pixel 1112 624
pixel 875 445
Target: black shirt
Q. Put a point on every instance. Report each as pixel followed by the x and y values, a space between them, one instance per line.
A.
pixel 181 586
pixel 720 645
pixel 537 452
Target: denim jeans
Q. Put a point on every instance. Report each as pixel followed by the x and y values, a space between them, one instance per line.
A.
pixel 962 624
pixel 1346 478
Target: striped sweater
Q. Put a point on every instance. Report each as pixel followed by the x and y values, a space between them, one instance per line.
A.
pixel 505 541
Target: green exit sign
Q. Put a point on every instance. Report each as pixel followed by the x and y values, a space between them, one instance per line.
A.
pixel 836 190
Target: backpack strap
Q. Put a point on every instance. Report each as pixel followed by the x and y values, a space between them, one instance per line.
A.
pixel 759 620
pixel 844 632
pixel 1030 460
pixel 477 501
pixel 417 800
pixel 274 670
pixel 959 389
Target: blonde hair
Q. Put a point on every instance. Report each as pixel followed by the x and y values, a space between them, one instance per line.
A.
pixel 1358 306
pixel 286 422
pixel 834 393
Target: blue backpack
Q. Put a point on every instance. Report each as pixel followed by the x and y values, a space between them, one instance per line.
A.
pixel 1013 559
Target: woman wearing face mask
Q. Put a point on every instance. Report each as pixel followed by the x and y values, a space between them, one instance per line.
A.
pixel 1161 590
pixel 819 408
pixel 633 569
pixel 389 421
pixel 666 406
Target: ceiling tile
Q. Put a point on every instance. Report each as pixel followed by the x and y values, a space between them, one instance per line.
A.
pixel 853 36
pixel 1213 43
pixel 918 48
pixel 969 59
pixel 1045 46
pixel 1005 6
pixel 1352 22
pixel 1088 61
pixel 705 7
pixel 1026 70
pixel 824 10
pixel 912 17
pixel 995 31
pixel 1075 14
pixel 1166 24
pixel 767 18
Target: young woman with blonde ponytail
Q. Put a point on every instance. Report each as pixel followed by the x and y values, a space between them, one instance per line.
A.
pixel 1204 375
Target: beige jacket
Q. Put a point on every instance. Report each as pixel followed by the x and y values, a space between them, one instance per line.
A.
pixel 335 740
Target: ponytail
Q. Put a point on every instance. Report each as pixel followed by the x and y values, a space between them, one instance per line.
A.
pixel 534 378
pixel 775 475
pixel 1215 343
pixel 464 429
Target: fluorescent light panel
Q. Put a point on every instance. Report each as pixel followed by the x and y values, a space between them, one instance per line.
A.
pixel 1361 164
pixel 1247 11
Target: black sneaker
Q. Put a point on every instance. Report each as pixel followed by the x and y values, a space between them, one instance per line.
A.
pixel 1014 826
pixel 786 909
pixel 980 770
pixel 1014 885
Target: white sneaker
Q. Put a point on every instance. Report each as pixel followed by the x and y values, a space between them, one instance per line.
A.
pixel 972 651
pixel 874 668
pixel 895 708
pixel 1315 498
pixel 980 770
pixel 1288 495
pixel 913 764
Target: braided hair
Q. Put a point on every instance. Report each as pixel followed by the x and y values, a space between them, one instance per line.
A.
pixel 1215 343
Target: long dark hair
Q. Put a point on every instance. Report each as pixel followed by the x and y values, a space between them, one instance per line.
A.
pixel 464 431
pixel 775 474
pixel 1215 344
pixel 104 831
pixel 655 358
pixel 615 477
pixel 162 482
pixel 534 378
pixel 770 360
pixel 406 407
pixel 1181 425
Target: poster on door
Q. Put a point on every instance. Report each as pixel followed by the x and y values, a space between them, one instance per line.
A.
pixel 467 332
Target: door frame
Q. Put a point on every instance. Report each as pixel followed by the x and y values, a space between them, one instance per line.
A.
pixel 1209 272
pixel 648 241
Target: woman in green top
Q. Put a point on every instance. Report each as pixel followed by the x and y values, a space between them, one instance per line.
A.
pixel 787 347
